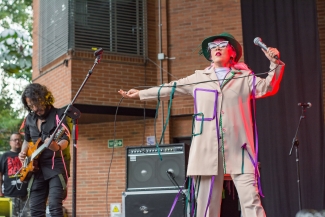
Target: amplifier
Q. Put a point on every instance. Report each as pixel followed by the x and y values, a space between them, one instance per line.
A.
pixel 154 203
pixel 146 171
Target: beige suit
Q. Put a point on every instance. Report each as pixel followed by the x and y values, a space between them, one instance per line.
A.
pixel 230 103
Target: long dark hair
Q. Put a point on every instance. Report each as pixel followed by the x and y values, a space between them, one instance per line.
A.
pixel 38 94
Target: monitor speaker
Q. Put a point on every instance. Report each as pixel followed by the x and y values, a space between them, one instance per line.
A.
pixel 146 170
pixel 153 203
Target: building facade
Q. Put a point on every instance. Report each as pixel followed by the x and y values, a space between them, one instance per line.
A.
pixel 65 35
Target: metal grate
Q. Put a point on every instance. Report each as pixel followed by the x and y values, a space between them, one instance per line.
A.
pixel 53 30
pixel 118 26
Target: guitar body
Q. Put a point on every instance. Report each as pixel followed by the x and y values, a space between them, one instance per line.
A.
pixel 30 166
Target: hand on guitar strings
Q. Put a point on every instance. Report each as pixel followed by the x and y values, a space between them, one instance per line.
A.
pixel 54 146
pixel 22 156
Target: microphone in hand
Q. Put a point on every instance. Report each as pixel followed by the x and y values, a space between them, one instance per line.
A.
pixel 258 42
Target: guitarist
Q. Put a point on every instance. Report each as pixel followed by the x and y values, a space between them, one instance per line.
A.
pixel 49 181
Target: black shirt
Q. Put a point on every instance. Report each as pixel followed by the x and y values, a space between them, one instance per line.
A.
pixel 9 165
pixel 32 134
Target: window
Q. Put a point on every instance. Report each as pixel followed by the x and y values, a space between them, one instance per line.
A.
pixel 53 30
pixel 115 25
pixel 118 26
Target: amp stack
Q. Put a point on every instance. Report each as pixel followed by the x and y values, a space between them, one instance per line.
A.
pixel 153 181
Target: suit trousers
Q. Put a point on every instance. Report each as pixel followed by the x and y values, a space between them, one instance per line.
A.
pixel 245 184
pixel 41 190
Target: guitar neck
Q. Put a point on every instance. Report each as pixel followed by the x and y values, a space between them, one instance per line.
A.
pixel 39 150
pixel 46 145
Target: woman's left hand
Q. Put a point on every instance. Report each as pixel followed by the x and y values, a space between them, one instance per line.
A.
pixel 271 53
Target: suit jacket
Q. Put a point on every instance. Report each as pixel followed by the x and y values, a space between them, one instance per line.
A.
pixel 224 118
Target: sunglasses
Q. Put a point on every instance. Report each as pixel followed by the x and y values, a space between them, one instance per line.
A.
pixel 36 105
pixel 221 44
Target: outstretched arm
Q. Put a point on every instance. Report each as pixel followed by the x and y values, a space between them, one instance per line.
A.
pixel 132 94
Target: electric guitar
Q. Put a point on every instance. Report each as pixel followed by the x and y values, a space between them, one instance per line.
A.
pixel 30 164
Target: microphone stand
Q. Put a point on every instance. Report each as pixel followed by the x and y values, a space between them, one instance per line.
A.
pixel 74 163
pixel 295 143
pixel 172 179
pixel 74 114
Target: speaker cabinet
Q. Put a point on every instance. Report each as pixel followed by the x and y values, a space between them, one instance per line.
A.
pixel 153 203
pixel 146 171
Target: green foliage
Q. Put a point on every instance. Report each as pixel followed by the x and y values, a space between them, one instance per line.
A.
pixel 15 38
pixel 9 124
pixel 9 119
pixel 16 55
pixel 15 61
pixel 16 11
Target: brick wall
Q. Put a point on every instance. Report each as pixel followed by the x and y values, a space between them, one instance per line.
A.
pixel 94 159
pixel 107 78
pixel 189 22
pixel 59 83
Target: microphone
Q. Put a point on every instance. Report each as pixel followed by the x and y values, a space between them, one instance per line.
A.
pixel 258 42
pixel 98 52
pixel 307 105
pixel 170 172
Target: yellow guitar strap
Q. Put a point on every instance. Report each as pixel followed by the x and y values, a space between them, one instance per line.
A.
pixel 30 183
pixel 64 185
pixel 62 181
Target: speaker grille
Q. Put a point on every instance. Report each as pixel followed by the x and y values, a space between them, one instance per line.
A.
pixel 146 171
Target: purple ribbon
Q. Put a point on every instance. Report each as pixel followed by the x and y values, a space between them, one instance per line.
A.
pixel 215 105
pixel 192 196
pixel 257 176
pixel 176 199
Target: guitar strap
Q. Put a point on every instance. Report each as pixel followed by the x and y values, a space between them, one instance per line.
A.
pixel 29 187
pixel 64 184
pixel 67 132
pixel 30 183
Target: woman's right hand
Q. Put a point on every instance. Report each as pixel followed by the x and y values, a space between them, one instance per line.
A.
pixel 131 94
